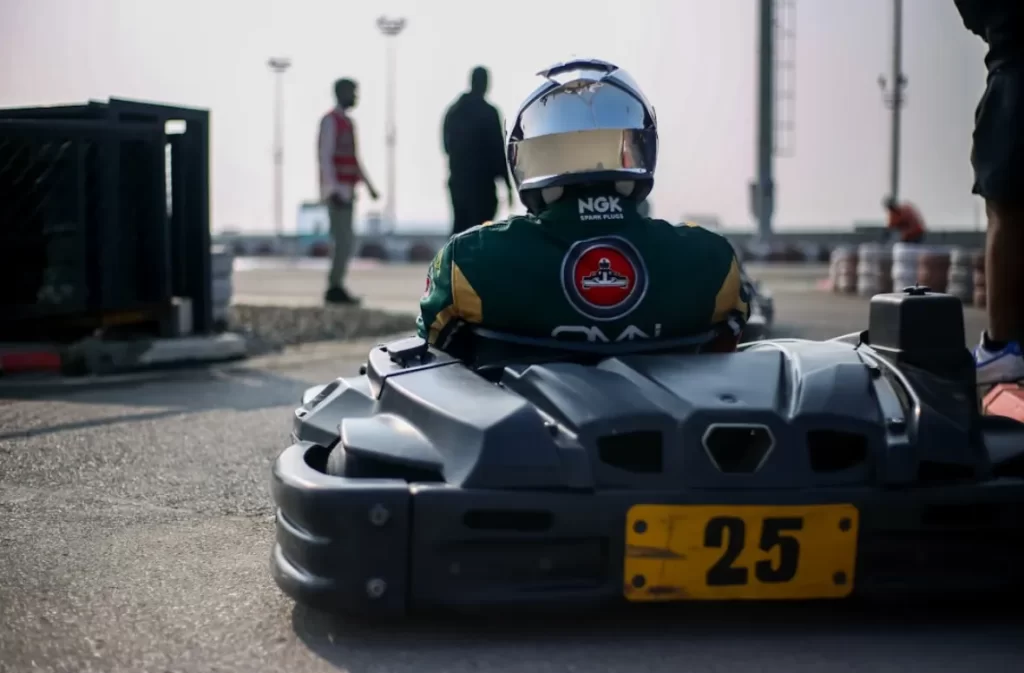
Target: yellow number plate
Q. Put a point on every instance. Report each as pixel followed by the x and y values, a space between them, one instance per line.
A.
pixel 711 552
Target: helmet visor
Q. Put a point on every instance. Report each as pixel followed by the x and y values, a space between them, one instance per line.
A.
pixel 582 105
pixel 544 158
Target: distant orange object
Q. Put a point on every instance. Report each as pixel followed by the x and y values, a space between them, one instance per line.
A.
pixel 1006 399
pixel 907 220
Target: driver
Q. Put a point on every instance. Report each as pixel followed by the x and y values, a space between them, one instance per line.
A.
pixel 584 264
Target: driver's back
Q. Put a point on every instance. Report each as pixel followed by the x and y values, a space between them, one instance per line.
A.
pixel 585 269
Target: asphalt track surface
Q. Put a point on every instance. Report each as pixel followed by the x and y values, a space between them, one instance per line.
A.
pixel 135 530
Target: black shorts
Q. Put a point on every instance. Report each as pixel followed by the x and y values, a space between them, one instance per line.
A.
pixel 998 153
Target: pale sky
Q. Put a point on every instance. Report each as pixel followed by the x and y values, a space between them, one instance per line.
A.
pixel 696 60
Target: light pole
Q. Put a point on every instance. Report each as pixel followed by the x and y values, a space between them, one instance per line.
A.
pixel 892 96
pixel 279 66
pixel 762 190
pixel 390 28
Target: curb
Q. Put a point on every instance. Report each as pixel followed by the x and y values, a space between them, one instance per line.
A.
pixel 96 356
pixel 326 353
pixel 22 362
pixel 97 361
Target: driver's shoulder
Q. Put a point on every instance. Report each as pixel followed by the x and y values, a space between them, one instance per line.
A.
pixel 495 236
pixel 684 249
pixel 689 235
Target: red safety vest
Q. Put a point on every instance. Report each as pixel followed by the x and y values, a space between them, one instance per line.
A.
pixel 908 222
pixel 346 166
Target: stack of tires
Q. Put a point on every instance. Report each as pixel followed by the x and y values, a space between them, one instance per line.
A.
pixel 373 250
pixel 979 279
pixel 421 252
pixel 843 269
pixel 905 260
pixel 933 268
pixel 874 269
pixel 222 267
pixel 961 275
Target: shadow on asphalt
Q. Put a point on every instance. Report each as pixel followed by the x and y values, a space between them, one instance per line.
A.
pixel 169 393
pixel 486 639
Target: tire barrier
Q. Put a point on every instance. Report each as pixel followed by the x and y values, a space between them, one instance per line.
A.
pixel 874 269
pixel 905 260
pixel 421 252
pixel 980 298
pixel 222 268
pixel 785 252
pixel 319 249
pixel 373 251
pixel 960 282
pixel 933 268
pixel 843 270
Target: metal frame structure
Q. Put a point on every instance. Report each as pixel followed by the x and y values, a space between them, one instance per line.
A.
pixel 279 66
pixel 893 97
pixel 105 166
pixel 776 98
pixel 391 28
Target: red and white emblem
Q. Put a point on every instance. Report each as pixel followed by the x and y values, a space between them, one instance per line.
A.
pixel 604 278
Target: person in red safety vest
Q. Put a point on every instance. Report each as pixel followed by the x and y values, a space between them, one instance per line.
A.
pixel 340 172
pixel 905 219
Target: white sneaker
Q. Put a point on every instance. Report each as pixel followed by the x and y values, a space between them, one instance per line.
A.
pixel 1004 366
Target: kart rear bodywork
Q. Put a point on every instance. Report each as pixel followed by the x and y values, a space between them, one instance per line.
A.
pixel 790 470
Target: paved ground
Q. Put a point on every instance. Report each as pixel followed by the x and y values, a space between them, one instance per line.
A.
pixel 135 528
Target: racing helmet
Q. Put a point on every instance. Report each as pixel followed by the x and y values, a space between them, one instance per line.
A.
pixel 587 122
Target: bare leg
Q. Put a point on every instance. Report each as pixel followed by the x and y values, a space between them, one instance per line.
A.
pixel 1004 272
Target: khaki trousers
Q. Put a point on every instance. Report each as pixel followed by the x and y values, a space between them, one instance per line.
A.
pixel 344 239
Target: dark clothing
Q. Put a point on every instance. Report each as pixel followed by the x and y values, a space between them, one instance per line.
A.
pixel 588 268
pixel 471 207
pixel 1001 24
pixel 998 152
pixel 474 143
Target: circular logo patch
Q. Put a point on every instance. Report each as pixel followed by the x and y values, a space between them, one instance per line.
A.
pixel 604 278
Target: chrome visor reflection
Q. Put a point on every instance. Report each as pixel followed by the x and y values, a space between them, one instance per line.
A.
pixel 582 105
pixel 547 156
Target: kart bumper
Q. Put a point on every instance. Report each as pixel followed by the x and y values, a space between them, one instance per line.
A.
pixel 384 548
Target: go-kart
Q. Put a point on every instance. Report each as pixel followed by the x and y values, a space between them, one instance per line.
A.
pixel 531 474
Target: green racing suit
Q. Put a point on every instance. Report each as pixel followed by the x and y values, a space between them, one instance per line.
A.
pixel 588 268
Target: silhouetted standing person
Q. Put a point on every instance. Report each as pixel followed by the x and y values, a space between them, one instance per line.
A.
pixel 998 160
pixel 475 145
pixel 340 172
